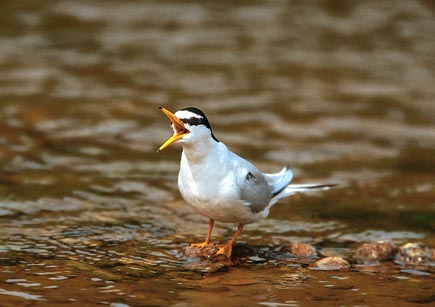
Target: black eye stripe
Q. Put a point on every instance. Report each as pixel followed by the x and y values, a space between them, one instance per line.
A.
pixel 198 120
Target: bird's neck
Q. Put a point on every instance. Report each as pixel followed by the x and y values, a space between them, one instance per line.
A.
pixel 199 152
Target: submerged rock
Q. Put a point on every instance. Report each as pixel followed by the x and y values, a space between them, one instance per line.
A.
pixel 330 263
pixel 415 253
pixel 375 252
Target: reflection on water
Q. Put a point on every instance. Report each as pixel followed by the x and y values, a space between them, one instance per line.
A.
pixel 90 213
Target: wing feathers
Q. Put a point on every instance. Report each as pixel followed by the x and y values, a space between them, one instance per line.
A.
pixel 279 181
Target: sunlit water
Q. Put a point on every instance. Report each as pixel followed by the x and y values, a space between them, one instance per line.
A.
pixel 90 214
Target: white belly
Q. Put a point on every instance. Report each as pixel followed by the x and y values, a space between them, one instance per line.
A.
pixel 216 196
pixel 226 211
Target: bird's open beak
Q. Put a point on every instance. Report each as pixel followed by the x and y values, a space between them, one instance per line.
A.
pixel 179 129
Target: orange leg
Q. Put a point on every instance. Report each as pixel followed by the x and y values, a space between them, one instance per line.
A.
pixel 207 240
pixel 228 248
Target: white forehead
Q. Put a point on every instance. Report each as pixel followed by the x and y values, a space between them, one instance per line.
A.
pixel 187 114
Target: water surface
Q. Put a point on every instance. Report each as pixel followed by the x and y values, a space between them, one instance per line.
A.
pixel 90 214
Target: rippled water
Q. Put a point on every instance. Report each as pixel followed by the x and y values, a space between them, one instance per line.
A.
pixel 90 214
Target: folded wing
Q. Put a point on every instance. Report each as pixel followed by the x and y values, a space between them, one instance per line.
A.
pixel 279 181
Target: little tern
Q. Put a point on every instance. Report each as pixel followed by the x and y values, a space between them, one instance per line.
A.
pixel 221 185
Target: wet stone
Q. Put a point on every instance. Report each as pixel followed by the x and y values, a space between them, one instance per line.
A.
pixel 375 252
pixel 301 250
pixel 197 252
pixel 415 253
pixel 203 260
pixel 330 263
pixel 206 260
pixel 239 251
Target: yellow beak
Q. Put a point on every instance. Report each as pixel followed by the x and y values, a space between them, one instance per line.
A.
pixel 180 129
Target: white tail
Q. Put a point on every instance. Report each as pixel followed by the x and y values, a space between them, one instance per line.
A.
pixel 302 188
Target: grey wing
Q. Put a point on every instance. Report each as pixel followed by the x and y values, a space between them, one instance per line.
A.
pixel 254 189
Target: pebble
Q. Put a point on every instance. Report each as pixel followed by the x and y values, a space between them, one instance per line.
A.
pixel 330 263
pixel 302 250
pixel 415 253
pixel 374 252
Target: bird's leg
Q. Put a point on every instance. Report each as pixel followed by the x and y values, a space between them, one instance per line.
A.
pixel 228 248
pixel 207 240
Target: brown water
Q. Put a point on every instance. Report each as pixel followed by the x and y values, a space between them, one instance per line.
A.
pixel 90 214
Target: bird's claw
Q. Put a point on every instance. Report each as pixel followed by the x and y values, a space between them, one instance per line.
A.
pixel 225 250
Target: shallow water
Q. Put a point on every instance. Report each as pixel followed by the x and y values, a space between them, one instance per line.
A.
pixel 90 214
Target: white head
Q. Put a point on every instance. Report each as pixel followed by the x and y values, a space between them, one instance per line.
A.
pixel 190 126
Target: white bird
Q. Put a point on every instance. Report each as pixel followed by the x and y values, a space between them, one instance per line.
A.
pixel 221 185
